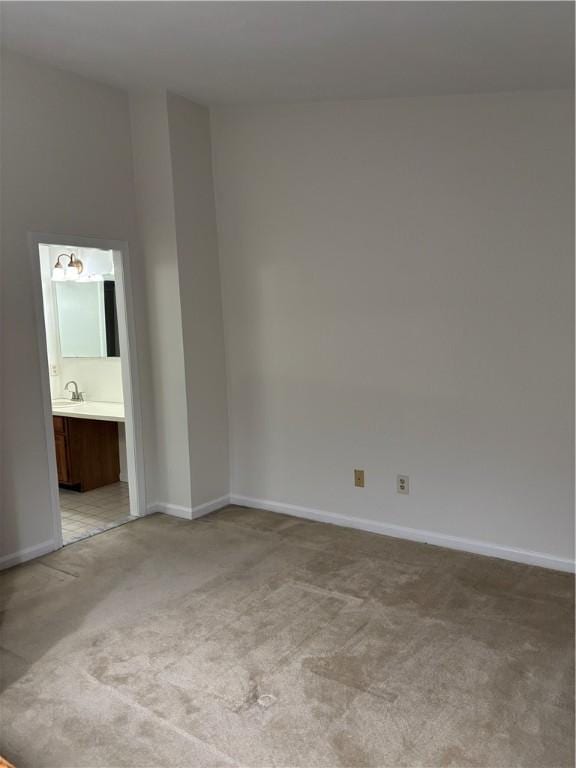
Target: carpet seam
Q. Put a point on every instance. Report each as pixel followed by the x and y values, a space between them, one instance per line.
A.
pixel 174 728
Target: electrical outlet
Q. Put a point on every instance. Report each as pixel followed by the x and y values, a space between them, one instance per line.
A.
pixel 402 484
pixel 359 478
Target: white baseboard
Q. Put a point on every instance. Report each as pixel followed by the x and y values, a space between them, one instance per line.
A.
pixel 170 509
pixel 210 506
pixel 189 513
pixel 29 553
pixel 372 526
pixel 412 534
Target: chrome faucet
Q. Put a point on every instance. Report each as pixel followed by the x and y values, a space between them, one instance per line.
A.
pixel 78 396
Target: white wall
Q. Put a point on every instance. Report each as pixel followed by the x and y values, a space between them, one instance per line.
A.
pixel 173 171
pixel 398 293
pixel 397 283
pixel 78 161
pixel 195 219
pixel 156 218
pixel 50 320
pixel 67 170
pixel 99 378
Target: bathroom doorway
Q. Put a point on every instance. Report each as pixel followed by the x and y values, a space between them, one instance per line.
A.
pixel 90 393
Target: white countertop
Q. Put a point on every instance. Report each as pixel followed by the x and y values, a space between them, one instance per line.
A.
pixel 98 411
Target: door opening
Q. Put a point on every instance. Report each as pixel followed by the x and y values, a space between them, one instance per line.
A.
pixel 90 392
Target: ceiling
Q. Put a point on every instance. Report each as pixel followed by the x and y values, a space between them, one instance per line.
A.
pixel 257 52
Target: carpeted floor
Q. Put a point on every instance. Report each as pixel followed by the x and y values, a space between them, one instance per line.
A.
pixel 254 639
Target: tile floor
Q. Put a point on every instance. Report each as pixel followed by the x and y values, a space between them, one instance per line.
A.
pixel 84 514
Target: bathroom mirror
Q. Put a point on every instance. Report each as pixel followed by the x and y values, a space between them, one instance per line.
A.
pixel 87 323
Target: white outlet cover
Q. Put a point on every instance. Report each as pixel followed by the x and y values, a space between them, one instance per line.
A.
pixel 402 484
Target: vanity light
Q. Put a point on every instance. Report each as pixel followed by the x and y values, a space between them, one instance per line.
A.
pixel 58 271
pixel 71 271
pixel 76 264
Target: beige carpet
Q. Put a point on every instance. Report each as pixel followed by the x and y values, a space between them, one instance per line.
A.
pixel 253 639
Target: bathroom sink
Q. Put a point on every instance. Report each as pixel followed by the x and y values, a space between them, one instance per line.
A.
pixel 87 409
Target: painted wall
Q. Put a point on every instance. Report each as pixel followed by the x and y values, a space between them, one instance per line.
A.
pixel 156 219
pixel 175 201
pixel 398 293
pixel 100 378
pixel 78 159
pixel 203 334
pixel 66 169
pixel 397 280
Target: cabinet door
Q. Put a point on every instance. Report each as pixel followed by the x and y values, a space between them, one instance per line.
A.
pixel 62 459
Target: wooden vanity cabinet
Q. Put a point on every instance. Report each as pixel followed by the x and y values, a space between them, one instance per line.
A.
pixel 87 452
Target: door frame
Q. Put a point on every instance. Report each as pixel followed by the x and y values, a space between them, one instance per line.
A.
pixel 128 363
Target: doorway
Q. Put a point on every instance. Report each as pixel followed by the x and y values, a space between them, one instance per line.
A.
pixel 89 382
